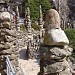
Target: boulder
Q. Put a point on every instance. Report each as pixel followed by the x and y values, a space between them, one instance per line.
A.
pixel 58 52
pixel 57 67
pixel 55 37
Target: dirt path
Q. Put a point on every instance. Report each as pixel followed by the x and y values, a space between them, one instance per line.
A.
pixel 29 67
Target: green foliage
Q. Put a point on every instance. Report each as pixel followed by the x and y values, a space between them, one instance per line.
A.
pixel 36 27
pixel 25 3
pixel 71 36
pixel 72 58
pixel 45 6
pixel 22 27
pixel 34 7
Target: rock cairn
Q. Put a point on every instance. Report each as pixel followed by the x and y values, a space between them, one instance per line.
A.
pixel 55 52
pixel 7 47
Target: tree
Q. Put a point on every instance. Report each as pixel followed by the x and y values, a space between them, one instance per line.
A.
pixel 34 7
pixel 45 6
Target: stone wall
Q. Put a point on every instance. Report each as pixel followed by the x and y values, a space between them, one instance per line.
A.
pixel 7 47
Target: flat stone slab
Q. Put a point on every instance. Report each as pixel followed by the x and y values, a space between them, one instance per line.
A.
pixel 55 37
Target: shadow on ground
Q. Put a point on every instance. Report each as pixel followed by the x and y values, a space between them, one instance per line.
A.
pixel 22 54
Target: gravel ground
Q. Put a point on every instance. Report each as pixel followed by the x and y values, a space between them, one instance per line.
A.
pixel 29 67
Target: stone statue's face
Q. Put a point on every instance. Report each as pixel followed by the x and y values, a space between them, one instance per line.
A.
pixel 52 19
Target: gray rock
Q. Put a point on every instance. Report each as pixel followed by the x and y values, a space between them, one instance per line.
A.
pixel 57 67
pixel 66 72
pixel 9 32
pixel 55 52
pixel 59 53
pixel 55 37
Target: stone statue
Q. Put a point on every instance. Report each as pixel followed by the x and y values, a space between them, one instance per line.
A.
pixel 55 52
pixel 54 35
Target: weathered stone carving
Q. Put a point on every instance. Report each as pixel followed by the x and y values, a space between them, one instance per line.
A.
pixel 54 54
pixel 52 19
pixel 54 35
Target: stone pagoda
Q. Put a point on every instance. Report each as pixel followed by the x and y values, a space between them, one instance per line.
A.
pixel 55 52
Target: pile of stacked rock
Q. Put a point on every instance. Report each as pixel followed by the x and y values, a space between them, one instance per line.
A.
pixel 7 46
pixel 54 54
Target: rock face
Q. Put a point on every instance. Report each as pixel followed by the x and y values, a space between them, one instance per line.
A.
pixel 7 47
pixel 54 54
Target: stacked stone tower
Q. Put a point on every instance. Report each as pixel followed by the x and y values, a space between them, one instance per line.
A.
pixel 55 52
